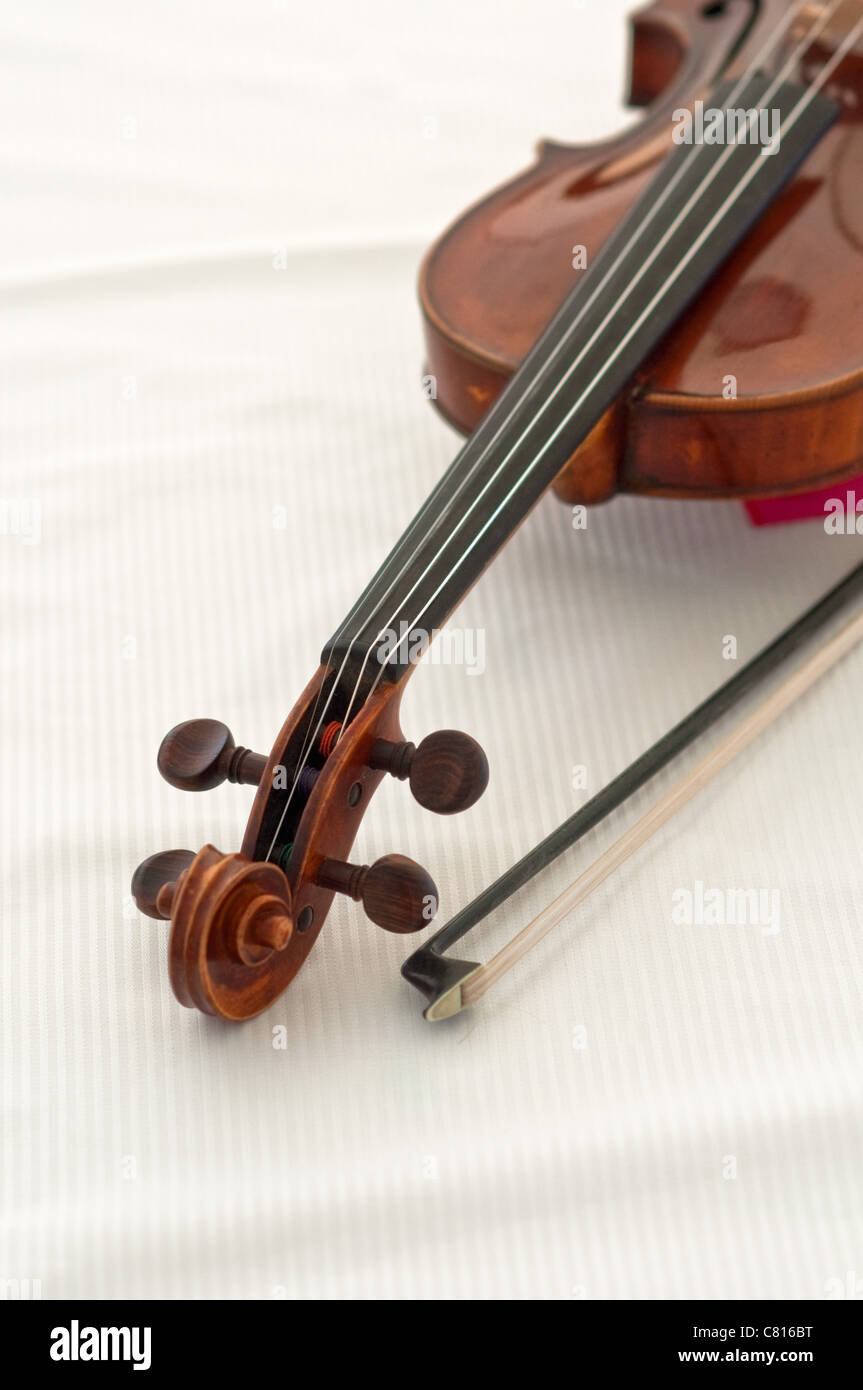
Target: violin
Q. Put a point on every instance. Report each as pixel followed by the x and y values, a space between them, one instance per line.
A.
pixel 673 312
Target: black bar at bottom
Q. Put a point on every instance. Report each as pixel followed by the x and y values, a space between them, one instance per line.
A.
pixel 246 1339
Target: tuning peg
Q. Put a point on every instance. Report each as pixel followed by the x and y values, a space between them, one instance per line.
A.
pixel 397 894
pixel 155 881
pixel 201 754
pixel 447 773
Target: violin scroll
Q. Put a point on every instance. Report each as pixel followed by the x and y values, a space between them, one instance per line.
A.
pixel 229 917
pixel 243 924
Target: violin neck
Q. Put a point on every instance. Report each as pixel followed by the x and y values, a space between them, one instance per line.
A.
pixel 700 204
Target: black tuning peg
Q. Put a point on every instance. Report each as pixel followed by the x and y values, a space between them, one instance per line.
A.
pixel 447 773
pixel 201 754
pixel 397 894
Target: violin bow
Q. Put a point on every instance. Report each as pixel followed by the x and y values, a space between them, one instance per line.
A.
pixel 451 985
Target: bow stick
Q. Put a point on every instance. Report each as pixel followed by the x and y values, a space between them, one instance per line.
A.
pixel 452 985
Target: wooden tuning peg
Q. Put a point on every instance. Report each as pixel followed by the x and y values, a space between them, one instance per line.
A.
pixel 397 894
pixel 155 882
pixel 201 754
pixel 447 773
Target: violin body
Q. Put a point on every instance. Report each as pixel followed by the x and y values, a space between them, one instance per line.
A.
pixel 759 389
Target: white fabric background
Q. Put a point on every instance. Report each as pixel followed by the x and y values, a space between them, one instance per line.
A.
pixel 164 391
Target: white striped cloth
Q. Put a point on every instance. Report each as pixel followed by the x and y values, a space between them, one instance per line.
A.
pixel 203 460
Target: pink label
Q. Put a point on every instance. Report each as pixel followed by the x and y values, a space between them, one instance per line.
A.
pixel 776 511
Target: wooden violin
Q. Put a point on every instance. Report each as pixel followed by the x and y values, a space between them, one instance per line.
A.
pixel 664 313
pixel 781 319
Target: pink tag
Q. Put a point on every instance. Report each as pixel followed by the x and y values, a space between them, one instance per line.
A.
pixel 776 511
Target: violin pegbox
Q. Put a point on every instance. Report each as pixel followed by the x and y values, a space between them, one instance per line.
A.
pixel 243 924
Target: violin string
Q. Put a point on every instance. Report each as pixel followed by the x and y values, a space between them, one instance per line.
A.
pixel 317 726
pixel 316 723
pixel 736 193
pixel 767 48
pixel 765 51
